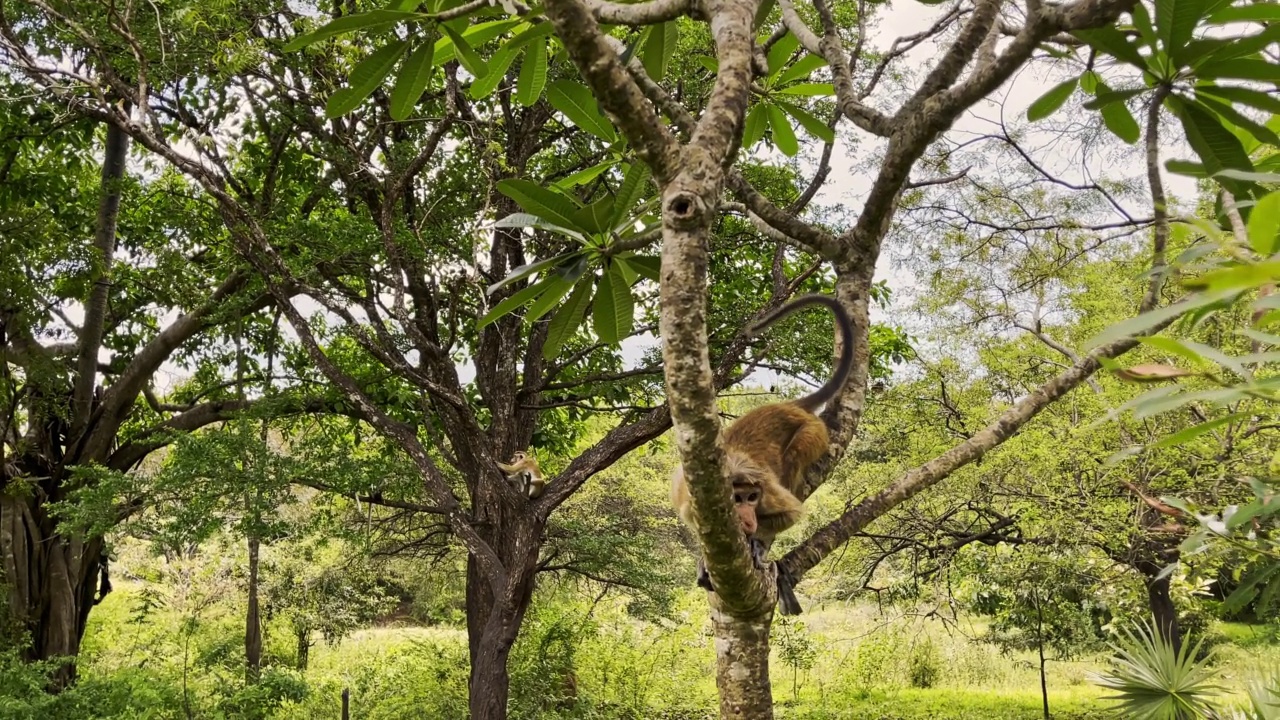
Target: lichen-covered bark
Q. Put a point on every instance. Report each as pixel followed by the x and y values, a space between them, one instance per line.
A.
pixel 742 665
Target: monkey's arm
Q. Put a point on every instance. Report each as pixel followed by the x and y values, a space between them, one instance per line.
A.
pixel 778 510
pixel 508 469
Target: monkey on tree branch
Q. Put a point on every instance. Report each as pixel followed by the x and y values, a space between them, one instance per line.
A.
pixel 768 451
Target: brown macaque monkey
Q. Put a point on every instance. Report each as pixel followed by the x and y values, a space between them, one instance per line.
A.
pixel 768 451
pixel 524 471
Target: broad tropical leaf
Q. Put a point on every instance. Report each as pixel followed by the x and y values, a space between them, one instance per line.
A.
pixel 546 204
pixel 414 77
pixel 1046 104
pixel 365 78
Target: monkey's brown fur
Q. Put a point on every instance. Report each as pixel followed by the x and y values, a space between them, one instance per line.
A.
pixel 773 446
pixel 523 470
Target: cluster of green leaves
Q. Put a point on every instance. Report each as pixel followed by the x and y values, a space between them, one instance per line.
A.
pixel 778 94
pixel 1192 69
pixel 1233 282
pixel 594 268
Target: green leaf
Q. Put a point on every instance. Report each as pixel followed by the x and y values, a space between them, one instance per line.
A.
pixel 359 21
pixel 523 220
pixel 1186 167
pixel 546 204
pixel 1173 346
pixel 533 74
pixel 1046 104
pixel 811 124
pixel 1217 356
pixel 801 68
pixel 1111 96
pixel 809 89
pixel 567 319
pixel 634 184
pixel 1257 12
pixel 518 299
pixel 649 266
pixel 754 125
pixel 762 13
pixel 658 49
pixel 779 53
pixel 708 62
pixel 1180 23
pixel 1242 515
pixel 365 78
pixel 1142 23
pixel 529 269
pixel 577 103
pixel 1248 176
pixel 1235 117
pixel 595 217
pixel 497 68
pixel 476 35
pixel 1239 69
pixel 1216 146
pixel 614 310
pixel 558 288
pixel 1237 278
pixel 467 55
pixel 1184 436
pixel 582 176
pixel 1120 122
pixel 1244 96
pixel 1089 81
pixel 783 136
pixel 1114 43
pixel 1214 50
pixel 1264 224
pixel 628 273
pixel 1152 318
pixel 414 77
pixel 530 36
pixel 1247 589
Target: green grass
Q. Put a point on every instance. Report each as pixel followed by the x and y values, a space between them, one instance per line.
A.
pixel 861 667
pixel 953 704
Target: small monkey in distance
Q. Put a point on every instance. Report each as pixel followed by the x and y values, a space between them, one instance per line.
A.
pixel 524 471
pixel 768 451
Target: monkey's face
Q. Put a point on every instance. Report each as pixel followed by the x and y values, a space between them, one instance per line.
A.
pixel 745 500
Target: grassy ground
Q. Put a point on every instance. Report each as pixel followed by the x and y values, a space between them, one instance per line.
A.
pixel 838 662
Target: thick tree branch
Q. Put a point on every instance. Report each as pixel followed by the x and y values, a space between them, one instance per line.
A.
pixel 813 550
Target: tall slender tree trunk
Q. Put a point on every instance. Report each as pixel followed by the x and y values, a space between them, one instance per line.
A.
pixel 253 620
pixel 51 581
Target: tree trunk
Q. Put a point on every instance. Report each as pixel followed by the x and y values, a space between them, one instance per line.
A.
pixel 253 620
pixel 493 623
pixel 1163 611
pixel 51 582
pixel 742 665
pixel 304 647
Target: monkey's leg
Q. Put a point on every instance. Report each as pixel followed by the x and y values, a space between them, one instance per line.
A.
pixel 704 577
pixel 787 600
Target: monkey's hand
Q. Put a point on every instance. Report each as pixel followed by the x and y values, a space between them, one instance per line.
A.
pixel 757 552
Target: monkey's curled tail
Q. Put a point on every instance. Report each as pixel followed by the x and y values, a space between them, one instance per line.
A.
pixel 844 366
